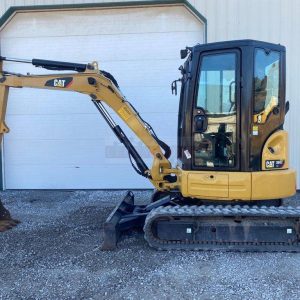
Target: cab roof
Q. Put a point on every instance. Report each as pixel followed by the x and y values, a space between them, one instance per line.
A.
pixel 238 44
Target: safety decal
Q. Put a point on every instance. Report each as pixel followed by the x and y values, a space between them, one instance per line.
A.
pixel 259 118
pixel 63 82
pixel 255 130
pixel 210 164
pixel 274 164
pixel 187 154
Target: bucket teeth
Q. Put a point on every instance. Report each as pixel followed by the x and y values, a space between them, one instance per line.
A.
pixel 6 221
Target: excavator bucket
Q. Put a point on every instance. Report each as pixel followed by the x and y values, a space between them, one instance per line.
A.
pixel 6 221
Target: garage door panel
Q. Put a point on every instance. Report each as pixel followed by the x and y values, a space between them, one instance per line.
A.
pixel 104 22
pixel 61 152
pixel 67 149
pixel 58 140
pixel 56 127
pixel 152 74
pixel 66 177
pixel 72 153
pixel 63 127
pixel 88 48
pixel 41 102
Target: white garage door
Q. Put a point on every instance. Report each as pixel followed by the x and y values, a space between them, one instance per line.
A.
pixel 57 139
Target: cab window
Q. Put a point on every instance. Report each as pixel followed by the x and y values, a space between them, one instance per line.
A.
pixel 217 98
pixel 216 89
pixel 266 83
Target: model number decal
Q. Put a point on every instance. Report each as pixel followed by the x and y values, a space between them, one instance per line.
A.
pixel 60 82
pixel 274 164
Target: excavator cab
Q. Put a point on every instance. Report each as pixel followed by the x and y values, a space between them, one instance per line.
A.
pixel 232 101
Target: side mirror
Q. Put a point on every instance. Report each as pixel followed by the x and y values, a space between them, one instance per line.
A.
pixel 183 53
pixel 287 107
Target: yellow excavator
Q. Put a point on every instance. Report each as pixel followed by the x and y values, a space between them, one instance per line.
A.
pixel 233 170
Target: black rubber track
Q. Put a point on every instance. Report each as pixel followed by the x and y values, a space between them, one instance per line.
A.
pixel 221 211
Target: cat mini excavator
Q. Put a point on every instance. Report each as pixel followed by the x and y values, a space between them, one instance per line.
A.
pixel 233 169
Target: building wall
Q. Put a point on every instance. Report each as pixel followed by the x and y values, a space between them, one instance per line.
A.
pixel 270 20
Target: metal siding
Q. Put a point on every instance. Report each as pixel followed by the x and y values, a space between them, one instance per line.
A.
pixel 275 21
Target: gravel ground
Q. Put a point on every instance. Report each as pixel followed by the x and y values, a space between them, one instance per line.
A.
pixel 54 254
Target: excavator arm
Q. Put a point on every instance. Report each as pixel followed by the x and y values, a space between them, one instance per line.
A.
pixel 101 87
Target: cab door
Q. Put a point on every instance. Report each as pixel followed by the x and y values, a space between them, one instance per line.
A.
pixel 215 117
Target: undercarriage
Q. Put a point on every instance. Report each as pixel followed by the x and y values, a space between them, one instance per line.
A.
pixel 169 224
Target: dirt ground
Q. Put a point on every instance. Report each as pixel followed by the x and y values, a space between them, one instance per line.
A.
pixel 54 254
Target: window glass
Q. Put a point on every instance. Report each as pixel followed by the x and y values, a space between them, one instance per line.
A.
pixel 216 88
pixel 266 82
pixel 216 146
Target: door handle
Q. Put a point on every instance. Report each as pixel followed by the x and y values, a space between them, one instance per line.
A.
pixel 200 123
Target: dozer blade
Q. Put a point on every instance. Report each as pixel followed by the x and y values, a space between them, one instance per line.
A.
pixel 6 221
pixel 127 216
pixel 124 217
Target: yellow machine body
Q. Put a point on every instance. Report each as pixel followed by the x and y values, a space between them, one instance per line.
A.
pixel 236 186
pixel 247 186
